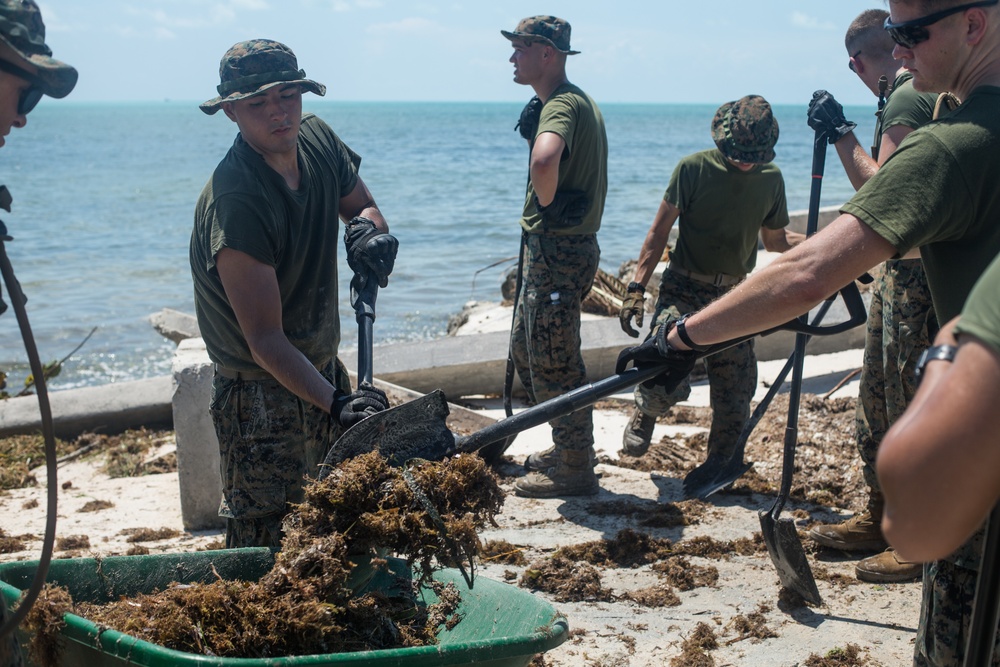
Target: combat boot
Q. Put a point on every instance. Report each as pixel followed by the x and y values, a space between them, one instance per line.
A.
pixel 887 568
pixel 572 475
pixel 548 458
pixel 862 532
pixel 638 433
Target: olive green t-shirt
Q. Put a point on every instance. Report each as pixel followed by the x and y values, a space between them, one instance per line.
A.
pixel 574 116
pixel 981 315
pixel 247 206
pixel 904 106
pixel 721 212
pixel 938 191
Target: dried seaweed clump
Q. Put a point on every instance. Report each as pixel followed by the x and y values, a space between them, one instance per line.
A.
pixel 566 580
pixel 45 620
pixel 694 649
pixel 502 551
pixel 629 548
pixel 849 656
pixel 10 544
pixel 679 572
pixel 660 595
pixel 308 604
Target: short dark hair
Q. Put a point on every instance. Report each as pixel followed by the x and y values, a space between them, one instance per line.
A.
pixel 866 33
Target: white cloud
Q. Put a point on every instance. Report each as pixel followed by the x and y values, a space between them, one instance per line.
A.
pixel 408 26
pixel 340 6
pixel 801 20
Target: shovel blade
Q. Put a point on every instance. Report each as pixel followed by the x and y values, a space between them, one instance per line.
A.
pixel 789 557
pixel 696 485
pixel 414 430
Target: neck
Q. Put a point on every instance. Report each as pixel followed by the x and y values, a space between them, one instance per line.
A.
pixel 287 166
pixel 547 86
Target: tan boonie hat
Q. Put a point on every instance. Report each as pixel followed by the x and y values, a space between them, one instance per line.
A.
pixel 252 67
pixel 549 29
pixel 745 130
pixel 22 29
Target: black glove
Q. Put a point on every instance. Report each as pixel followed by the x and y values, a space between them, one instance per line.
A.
pixel 827 117
pixel 656 351
pixel 634 306
pixel 527 124
pixel 369 249
pixel 349 409
pixel 566 210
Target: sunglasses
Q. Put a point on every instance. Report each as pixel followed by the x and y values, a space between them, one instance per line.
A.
pixel 850 63
pixel 29 96
pixel 910 33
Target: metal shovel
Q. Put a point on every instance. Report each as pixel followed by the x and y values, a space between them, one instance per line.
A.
pixel 418 429
pixel 780 535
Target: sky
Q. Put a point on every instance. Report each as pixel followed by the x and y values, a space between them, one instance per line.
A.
pixel 652 51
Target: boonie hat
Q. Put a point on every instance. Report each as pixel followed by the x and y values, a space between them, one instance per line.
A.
pixel 549 29
pixel 249 68
pixel 22 29
pixel 745 130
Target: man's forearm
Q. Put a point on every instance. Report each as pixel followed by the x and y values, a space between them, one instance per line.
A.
pixel 857 163
pixel 275 354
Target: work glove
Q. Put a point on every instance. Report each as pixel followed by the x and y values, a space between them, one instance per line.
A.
pixel 826 116
pixel 566 210
pixel 634 306
pixel 349 409
pixel 370 250
pixel 655 351
pixel 527 124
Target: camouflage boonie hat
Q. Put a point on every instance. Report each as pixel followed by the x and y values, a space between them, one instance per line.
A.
pixel 549 29
pixel 745 130
pixel 249 68
pixel 22 29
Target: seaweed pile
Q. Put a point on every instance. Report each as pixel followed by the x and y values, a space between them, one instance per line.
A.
pixel 428 514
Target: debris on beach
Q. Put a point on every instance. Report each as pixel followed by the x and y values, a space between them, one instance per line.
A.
pixel 429 514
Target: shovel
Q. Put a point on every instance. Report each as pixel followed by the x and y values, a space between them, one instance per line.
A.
pixel 986 603
pixel 780 535
pixel 417 430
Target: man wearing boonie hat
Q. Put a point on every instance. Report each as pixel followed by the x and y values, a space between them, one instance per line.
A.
pixel 562 212
pixel 27 68
pixel 264 264
pixel 724 197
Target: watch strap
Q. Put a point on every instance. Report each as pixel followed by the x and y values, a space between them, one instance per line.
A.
pixel 935 353
pixel 679 324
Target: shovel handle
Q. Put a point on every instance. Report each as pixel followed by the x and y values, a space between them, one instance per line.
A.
pixel 363 302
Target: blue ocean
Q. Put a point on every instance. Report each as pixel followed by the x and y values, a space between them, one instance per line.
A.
pixel 104 197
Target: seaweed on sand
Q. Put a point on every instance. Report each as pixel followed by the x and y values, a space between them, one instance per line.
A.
pixel 428 513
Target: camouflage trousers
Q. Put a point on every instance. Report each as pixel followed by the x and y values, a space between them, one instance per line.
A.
pixel 270 441
pixel 901 325
pixel 732 373
pixel 545 337
pixel 945 616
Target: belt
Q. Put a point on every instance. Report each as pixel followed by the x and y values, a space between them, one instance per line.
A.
pixel 254 375
pixel 717 279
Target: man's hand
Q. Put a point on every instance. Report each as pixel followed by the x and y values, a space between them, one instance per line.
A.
pixel 527 124
pixel 826 116
pixel 349 409
pixel 369 249
pixel 633 307
pixel 656 351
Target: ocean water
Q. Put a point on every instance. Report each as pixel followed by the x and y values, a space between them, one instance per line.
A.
pixel 104 197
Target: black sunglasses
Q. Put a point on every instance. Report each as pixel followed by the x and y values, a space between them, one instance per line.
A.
pixel 31 95
pixel 850 63
pixel 910 33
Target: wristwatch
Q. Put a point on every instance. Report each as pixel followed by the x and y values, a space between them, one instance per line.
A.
pixel 683 334
pixel 936 353
pixel 635 287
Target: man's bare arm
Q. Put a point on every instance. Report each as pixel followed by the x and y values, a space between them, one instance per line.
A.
pixel 544 168
pixel 655 242
pixel 359 202
pixel 780 240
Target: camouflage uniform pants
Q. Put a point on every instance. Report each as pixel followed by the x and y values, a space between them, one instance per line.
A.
pixel 945 615
pixel 545 337
pixel 270 440
pixel 732 373
pixel 901 325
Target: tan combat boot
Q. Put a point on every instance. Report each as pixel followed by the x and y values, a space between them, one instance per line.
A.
pixel 548 458
pixel 862 532
pixel 572 475
pixel 638 433
pixel 887 568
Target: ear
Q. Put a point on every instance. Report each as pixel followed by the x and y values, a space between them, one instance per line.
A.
pixel 977 23
pixel 859 67
pixel 227 108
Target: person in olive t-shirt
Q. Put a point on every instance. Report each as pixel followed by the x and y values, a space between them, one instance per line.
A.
pixel 938 192
pixel 264 264
pixel 562 212
pixel 901 321
pixel 725 198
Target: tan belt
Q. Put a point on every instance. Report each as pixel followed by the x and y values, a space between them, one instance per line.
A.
pixel 253 376
pixel 717 279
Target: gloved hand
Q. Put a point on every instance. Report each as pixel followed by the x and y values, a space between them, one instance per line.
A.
pixel 527 124
pixel 369 249
pixel 633 306
pixel 565 210
pixel 655 350
pixel 826 116
pixel 349 409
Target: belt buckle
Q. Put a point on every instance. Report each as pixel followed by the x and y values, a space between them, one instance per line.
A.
pixel 720 280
